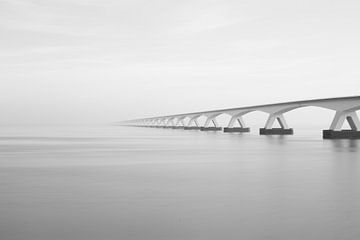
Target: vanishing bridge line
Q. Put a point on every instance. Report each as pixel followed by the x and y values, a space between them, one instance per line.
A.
pixel 345 110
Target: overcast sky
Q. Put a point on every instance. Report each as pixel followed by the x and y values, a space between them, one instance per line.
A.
pixel 99 61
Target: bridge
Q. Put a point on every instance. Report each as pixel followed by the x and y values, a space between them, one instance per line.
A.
pixel 345 110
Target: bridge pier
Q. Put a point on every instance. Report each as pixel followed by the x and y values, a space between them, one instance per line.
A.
pixel 269 130
pixel 178 127
pixel 343 134
pixel 179 121
pixel 237 118
pixel 335 131
pixel 162 123
pixel 210 128
pixel 276 131
pixel 211 119
pixel 193 120
pixel 236 129
pixel 192 128
pixel 169 123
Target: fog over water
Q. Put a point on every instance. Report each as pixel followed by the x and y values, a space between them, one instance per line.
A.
pixel 71 68
pixel 110 182
pixel 98 61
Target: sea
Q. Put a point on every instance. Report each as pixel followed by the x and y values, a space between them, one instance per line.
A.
pixel 107 182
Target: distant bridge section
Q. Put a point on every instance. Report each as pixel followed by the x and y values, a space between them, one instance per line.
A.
pixel 345 110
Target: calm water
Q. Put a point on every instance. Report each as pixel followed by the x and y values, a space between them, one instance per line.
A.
pixel 136 183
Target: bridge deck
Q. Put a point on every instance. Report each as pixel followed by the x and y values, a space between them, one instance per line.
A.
pixel 326 102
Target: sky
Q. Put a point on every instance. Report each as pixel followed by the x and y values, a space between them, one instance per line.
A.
pixel 101 61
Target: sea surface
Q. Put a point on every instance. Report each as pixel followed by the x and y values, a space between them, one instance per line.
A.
pixel 111 182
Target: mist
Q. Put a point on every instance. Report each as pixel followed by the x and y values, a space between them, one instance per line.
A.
pixel 86 62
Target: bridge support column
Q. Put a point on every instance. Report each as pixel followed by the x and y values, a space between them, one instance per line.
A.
pixel 179 121
pixel 157 123
pixel 151 123
pixel 191 121
pixel 144 123
pixel 162 123
pixel 230 128
pixel 335 131
pixel 211 119
pixel 283 130
pixel 178 127
pixel 169 123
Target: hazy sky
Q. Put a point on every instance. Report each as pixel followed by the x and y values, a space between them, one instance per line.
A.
pixel 72 61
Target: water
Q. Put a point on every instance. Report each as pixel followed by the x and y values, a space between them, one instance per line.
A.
pixel 137 183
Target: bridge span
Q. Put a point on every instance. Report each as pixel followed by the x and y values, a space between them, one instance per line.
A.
pixel 344 108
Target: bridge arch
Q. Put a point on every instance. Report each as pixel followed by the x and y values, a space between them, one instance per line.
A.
pixel 345 110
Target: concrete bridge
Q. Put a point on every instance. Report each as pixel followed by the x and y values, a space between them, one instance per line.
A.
pixel 345 110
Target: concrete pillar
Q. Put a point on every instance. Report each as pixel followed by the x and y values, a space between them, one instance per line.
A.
pixel 336 132
pixel 269 130
pixel 169 123
pixel 209 120
pixel 192 121
pixel 240 121
pixel 179 124
pixel 162 123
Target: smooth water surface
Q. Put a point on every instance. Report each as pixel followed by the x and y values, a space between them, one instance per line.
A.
pixel 138 183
